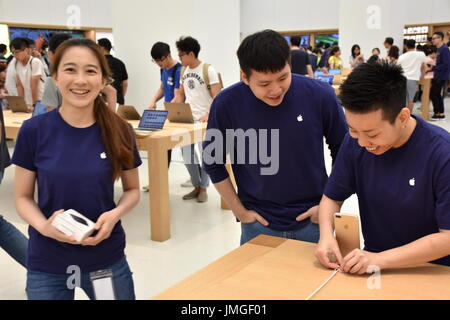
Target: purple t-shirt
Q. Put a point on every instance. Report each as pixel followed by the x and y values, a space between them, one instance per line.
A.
pixel 403 194
pixel 72 173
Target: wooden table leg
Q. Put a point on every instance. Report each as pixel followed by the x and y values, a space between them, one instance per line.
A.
pixel 223 204
pixel 159 193
pixel 426 99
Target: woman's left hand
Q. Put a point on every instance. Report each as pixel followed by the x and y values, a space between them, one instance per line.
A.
pixel 105 224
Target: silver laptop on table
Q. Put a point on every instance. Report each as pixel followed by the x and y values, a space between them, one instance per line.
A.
pixel 17 104
pixel 179 112
pixel 152 120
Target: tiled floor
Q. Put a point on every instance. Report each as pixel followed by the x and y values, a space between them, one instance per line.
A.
pixel 201 233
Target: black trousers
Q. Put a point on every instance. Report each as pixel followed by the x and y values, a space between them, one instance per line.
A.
pixel 436 95
pixel 169 157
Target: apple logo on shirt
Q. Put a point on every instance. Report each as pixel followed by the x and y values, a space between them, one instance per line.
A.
pixel 103 155
pixel 299 118
pixel 412 182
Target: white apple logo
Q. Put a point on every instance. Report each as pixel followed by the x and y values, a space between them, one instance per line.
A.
pixel 300 118
pixel 103 155
pixel 412 182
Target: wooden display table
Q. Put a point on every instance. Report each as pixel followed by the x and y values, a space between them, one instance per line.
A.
pixel 270 268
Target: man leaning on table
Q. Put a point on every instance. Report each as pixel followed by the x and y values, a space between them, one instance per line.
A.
pixel 399 167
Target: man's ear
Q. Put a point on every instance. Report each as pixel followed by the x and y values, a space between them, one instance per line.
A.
pixel 244 78
pixel 404 116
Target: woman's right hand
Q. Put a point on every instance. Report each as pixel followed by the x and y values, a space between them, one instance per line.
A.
pixel 51 232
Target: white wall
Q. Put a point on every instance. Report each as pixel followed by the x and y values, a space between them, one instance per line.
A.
pixel 93 13
pixel 138 27
pixel 285 15
pixel 359 24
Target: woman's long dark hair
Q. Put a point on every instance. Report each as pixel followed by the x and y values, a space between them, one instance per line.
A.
pixel 353 50
pixel 117 135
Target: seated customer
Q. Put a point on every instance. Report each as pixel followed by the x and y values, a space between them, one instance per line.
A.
pixel 335 60
pixel 404 204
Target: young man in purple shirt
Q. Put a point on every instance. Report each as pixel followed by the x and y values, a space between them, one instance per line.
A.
pixel 399 167
pixel 272 124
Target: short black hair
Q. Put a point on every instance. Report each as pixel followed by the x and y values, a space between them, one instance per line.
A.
pixel 373 86
pixel 159 50
pixel 440 34
pixel 334 50
pixel 3 47
pixel 429 50
pixel 56 39
pixel 105 43
pixel 19 43
pixel 378 49
pixel 188 44
pixel 373 59
pixel 326 45
pixel 263 51
pixel 410 43
pixel 317 51
pixel 295 41
pixel 389 40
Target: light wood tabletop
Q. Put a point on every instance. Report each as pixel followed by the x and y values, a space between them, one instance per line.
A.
pixel 270 268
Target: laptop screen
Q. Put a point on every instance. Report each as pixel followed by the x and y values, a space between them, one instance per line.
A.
pixel 153 119
pixel 327 79
pixel 334 71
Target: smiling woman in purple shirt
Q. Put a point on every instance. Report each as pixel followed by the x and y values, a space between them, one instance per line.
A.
pixel 75 153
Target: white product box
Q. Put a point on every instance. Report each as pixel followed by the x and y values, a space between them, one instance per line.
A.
pixel 73 223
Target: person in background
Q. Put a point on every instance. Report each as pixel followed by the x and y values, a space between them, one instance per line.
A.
pixel 335 61
pixel 323 63
pixel 30 76
pixel 376 52
pixel 11 239
pixel 441 75
pixel 393 54
pixel 170 81
pixel 300 61
pixel 318 53
pixel 404 46
pixel 388 43
pixel 3 50
pixel 413 64
pixel 118 69
pixel 356 58
pixel 312 58
pixel 3 91
pixel 195 91
pixel 52 95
